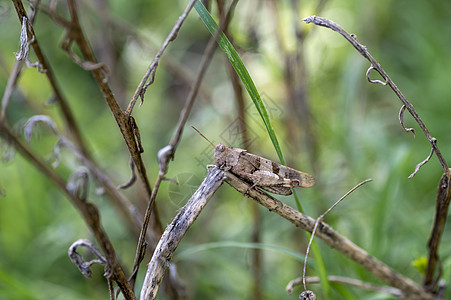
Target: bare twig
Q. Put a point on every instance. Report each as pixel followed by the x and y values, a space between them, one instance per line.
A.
pixel 377 67
pixel 320 219
pixel 175 232
pixel 12 81
pixel 333 239
pixel 419 165
pixel 126 127
pixel 144 84
pixel 209 50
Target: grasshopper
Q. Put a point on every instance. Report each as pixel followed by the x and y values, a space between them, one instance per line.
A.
pixel 259 171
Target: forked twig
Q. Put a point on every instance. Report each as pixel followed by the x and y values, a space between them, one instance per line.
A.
pixel 377 67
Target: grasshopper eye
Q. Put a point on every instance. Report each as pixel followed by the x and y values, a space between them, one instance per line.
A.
pixel 221 147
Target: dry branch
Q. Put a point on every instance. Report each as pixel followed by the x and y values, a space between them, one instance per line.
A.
pixel 410 289
pixel 351 38
pixel 175 232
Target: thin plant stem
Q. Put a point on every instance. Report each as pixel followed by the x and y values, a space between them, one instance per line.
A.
pixel 320 219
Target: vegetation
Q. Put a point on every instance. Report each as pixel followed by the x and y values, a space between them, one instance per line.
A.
pixel 117 81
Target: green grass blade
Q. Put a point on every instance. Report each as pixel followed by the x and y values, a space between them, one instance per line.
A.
pixel 242 72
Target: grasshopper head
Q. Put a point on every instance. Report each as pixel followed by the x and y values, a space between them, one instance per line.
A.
pixel 221 155
pixel 226 157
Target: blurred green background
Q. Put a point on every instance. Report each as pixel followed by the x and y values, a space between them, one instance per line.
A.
pixel 353 134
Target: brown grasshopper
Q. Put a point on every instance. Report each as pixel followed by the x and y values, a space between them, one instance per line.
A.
pixel 259 171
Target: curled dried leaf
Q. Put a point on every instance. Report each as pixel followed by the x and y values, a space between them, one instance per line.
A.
pixel 24 42
pixel 375 81
pixel 29 125
pixel 62 141
pixel 26 38
pixel 164 155
pixel 78 183
pixel 77 259
pixel 132 179
pixel 401 120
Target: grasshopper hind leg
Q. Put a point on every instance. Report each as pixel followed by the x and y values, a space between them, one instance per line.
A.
pixel 251 187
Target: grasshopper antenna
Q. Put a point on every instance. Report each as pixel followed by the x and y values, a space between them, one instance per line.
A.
pixel 203 136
